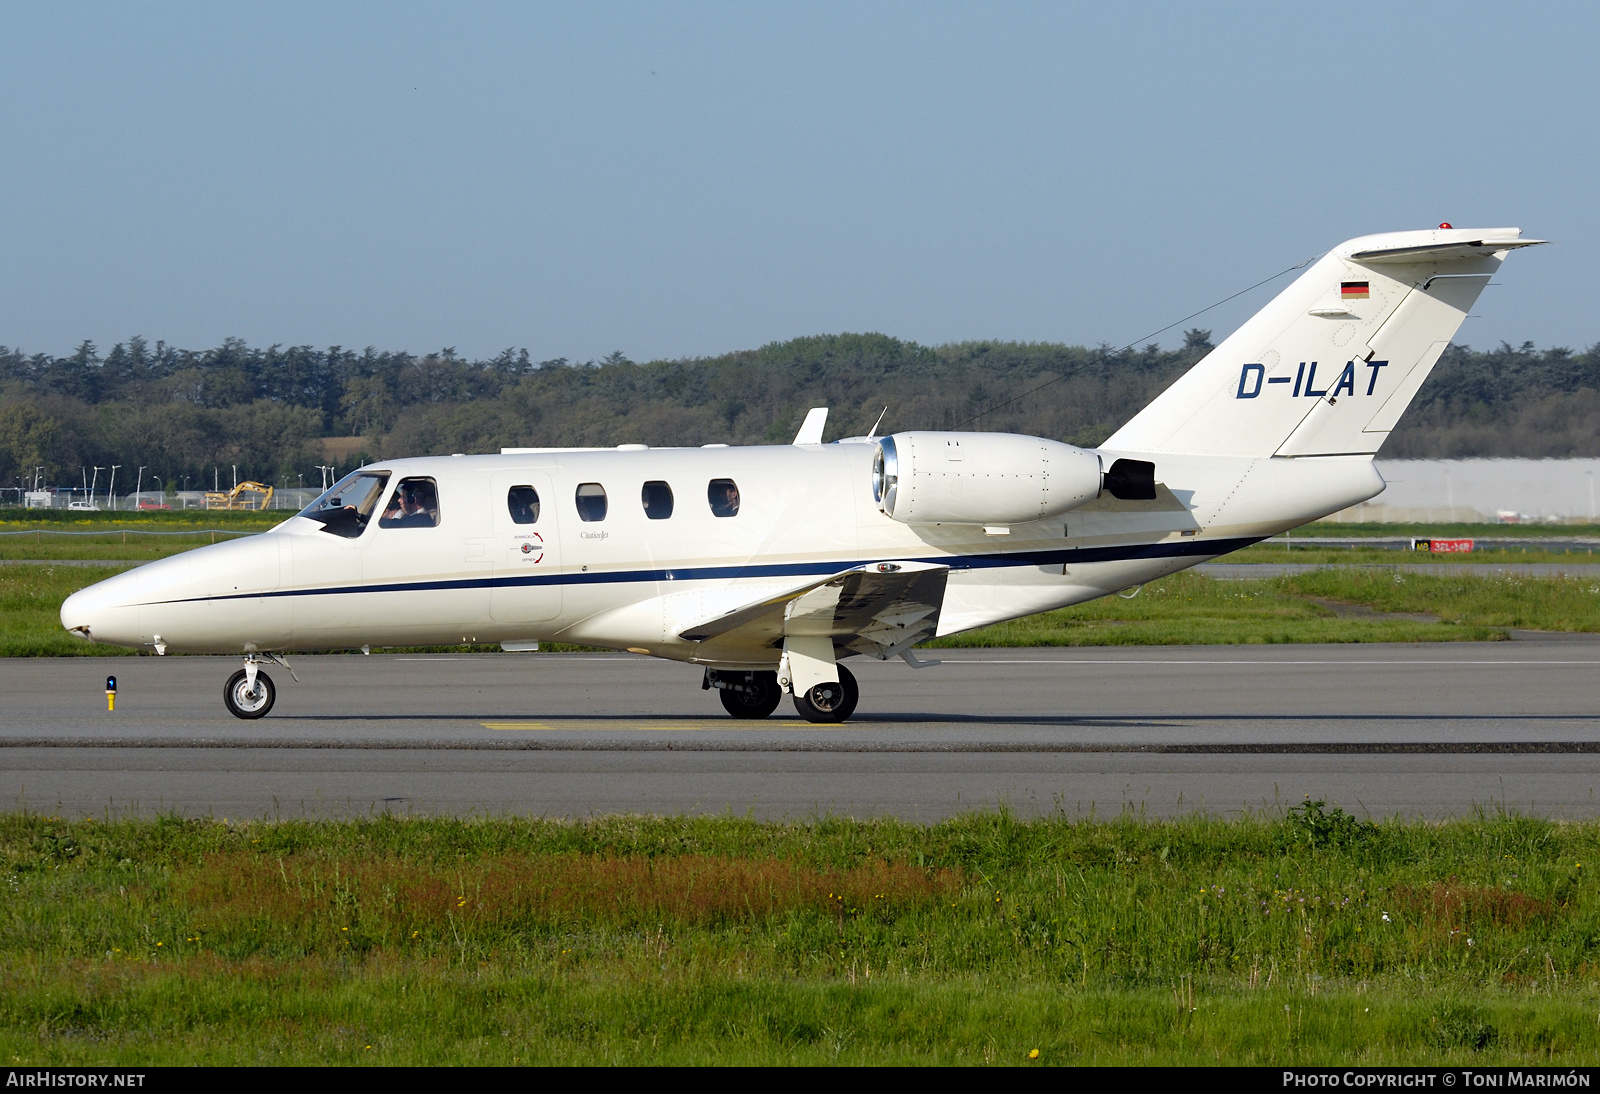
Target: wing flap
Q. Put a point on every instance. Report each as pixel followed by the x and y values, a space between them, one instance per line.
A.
pixel 881 608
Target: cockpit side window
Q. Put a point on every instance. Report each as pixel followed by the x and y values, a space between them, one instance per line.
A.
pixel 591 501
pixel 414 504
pixel 723 494
pixel 346 508
pixel 657 499
pixel 523 501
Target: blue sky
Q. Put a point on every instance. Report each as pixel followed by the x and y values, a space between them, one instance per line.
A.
pixel 685 179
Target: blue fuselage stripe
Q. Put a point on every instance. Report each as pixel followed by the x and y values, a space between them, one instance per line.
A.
pixel 1061 556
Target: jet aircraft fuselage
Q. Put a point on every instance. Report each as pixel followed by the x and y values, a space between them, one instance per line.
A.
pixel 601 569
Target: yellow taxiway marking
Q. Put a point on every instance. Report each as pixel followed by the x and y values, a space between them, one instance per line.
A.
pixel 660 727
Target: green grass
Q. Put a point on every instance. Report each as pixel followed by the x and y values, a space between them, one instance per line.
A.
pixel 1447 531
pixel 58 534
pixel 1510 601
pixel 1190 609
pixel 1311 937
pixel 1377 556
pixel 30 611
pixel 79 520
pixel 126 546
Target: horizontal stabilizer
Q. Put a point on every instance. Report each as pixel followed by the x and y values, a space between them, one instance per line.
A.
pixel 1468 249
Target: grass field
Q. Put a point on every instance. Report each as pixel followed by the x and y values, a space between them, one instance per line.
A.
pixel 1377 556
pixel 1313 937
pixel 60 534
pixel 1448 531
pixel 1331 605
pixel 78 520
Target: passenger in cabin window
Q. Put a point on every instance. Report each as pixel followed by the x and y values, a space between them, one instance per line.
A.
pixel 724 497
pixel 523 501
pixel 591 501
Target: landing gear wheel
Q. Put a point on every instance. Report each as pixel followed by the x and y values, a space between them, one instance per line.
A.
pixel 829 702
pixel 244 703
pixel 758 698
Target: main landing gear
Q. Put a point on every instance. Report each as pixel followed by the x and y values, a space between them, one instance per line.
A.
pixel 829 702
pixel 745 694
pixel 757 694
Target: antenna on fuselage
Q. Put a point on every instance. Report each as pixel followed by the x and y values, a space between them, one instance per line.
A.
pixel 811 428
pixel 873 432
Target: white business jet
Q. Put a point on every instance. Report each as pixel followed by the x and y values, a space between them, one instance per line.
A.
pixel 768 566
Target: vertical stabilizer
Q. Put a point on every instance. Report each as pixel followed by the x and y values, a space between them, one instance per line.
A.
pixel 1328 367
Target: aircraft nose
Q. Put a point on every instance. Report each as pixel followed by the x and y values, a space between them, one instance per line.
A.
pixel 107 611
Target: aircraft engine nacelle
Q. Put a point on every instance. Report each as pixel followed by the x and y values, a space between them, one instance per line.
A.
pixel 980 478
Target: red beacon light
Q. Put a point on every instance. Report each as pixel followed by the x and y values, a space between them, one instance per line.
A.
pixel 1446 224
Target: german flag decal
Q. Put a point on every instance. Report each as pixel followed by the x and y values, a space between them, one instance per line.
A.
pixel 1353 290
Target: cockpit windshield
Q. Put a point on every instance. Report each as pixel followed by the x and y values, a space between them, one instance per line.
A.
pixel 345 509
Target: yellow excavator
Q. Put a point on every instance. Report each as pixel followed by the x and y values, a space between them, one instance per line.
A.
pixel 247 495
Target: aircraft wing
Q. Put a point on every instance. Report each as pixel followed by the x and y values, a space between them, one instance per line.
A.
pixel 880 609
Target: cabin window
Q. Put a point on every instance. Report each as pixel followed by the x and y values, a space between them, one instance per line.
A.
pixel 591 499
pixel 523 501
pixel 657 499
pixel 414 504
pixel 723 494
pixel 346 507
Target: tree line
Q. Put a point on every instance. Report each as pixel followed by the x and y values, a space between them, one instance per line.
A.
pixel 266 410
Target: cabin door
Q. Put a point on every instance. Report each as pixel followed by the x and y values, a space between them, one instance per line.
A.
pixel 525 548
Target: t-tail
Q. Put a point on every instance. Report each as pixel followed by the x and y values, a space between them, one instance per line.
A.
pixel 1328 367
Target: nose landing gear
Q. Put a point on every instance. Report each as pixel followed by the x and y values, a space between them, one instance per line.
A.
pixel 246 697
pixel 250 692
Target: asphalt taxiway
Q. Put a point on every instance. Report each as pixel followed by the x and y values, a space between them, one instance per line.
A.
pixel 1432 729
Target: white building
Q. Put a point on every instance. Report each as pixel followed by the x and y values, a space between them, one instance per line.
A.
pixel 1482 491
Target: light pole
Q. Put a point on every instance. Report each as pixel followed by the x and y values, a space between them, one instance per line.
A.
pixel 94 484
pixel 138 491
pixel 111 491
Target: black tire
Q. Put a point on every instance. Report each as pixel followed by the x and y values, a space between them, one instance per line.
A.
pixel 758 697
pixel 830 702
pixel 245 704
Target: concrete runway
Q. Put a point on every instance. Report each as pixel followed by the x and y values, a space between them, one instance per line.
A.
pixel 1430 729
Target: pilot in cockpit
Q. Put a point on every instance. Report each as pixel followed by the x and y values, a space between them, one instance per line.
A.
pixel 415 505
